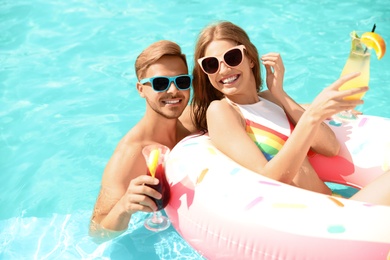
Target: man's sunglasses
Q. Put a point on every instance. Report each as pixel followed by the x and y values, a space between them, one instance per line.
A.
pixel 161 83
pixel 232 57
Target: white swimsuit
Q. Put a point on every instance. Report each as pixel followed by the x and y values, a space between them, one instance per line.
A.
pixel 267 125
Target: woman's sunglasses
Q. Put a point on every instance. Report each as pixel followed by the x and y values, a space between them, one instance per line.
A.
pixel 232 57
pixel 161 83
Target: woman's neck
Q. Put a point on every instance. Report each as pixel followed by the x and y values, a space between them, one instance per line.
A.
pixel 244 100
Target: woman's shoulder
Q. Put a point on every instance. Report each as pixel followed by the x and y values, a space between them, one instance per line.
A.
pixel 267 95
pixel 224 108
pixel 217 107
pixel 218 104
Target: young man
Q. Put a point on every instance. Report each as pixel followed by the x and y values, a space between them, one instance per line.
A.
pixel 164 83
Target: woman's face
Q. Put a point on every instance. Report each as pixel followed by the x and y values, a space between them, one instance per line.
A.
pixel 230 80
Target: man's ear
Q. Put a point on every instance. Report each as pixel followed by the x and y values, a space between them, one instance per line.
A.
pixel 140 89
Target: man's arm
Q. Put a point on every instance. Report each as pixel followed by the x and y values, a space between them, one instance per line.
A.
pixel 122 192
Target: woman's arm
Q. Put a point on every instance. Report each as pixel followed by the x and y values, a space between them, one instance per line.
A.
pixel 227 132
pixel 325 141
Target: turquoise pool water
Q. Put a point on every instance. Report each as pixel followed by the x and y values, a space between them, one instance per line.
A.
pixel 68 95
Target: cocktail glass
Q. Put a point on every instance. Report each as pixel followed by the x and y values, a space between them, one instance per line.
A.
pixel 156 169
pixel 358 61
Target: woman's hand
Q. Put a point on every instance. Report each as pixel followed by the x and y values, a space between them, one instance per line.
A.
pixel 331 101
pixel 275 72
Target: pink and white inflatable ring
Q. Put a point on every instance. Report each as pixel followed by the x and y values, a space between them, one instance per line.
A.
pixel 228 212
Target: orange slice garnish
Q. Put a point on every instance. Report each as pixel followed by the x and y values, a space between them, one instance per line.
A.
pixel 153 161
pixel 376 42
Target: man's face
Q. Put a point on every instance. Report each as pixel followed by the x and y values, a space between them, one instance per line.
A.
pixel 170 103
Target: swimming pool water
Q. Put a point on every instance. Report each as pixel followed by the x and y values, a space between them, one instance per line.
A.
pixel 68 95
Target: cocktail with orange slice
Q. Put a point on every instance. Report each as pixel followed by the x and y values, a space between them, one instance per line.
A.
pixel 359 61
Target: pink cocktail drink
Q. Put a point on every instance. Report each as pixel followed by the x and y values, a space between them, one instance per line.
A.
pixel 162 187
pixel 155 156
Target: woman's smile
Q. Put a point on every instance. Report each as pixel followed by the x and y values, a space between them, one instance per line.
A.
pixel 230 79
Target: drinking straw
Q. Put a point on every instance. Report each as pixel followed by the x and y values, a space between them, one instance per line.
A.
pixel 373 30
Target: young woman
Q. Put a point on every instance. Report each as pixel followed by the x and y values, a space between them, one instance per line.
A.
pixel 266 131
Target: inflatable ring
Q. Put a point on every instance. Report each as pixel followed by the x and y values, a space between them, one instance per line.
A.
pixel 226 211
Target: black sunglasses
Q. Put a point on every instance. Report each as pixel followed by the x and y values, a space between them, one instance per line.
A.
pixel 162 83
pixel 232 57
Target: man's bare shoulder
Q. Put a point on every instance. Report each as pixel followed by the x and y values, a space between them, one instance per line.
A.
pixel 127 161
pixel 133 137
